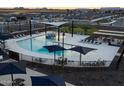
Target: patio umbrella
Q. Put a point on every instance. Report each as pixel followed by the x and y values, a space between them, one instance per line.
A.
pixel 4 37
pixel 47 80
pixel 12 68
pixel 82 50
pixel 54 48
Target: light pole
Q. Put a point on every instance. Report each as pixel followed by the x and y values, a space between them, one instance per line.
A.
pixel 30 29
pixel 58 33
pixel 45 28
pixel 19 25
pixel 72 27
pixel 63 44
pixel 8 26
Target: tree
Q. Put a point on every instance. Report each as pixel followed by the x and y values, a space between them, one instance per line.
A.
pixel 86 28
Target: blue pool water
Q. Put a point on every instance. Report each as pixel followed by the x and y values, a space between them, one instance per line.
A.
pixel 36 45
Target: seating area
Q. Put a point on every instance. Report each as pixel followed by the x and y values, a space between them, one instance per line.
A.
pixel 102 39
pixel 94 64
pixel 19 36
pixel 23 76
pixel 3 56
pixel 91 40
pixel 59 61
pixel 50 36
pixel 18 82
pixel 110 40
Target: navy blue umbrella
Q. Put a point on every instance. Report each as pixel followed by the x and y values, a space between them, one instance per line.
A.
pixel 54 48
pixel 82 50
pixel 12 68
pixel 47 80
pixel 4 36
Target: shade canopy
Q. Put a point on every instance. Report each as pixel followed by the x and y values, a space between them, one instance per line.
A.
pixel 47 80
pixel 13 68
pixel 5 36
pixel 81 49
pixel 57 24
pixel 54 48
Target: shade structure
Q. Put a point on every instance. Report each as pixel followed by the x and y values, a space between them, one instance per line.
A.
pixel 56 24
pixel 5 36
pixel 52 80
pixel 12 68
pixel 54 48
pixel 82 50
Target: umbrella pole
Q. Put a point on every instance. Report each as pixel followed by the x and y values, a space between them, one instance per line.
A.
pixel 45 29
pixel 80 58
pixel 54 57
pixel 11 74
pixel 72 27
pixel 12 79
pixel 58 33
pixel 63 46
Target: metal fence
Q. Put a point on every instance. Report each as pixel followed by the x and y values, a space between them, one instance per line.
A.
pixel 69 63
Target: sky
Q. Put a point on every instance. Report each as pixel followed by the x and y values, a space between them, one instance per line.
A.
pixel 62 3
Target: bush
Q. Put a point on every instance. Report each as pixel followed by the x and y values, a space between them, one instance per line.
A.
pixel 78 28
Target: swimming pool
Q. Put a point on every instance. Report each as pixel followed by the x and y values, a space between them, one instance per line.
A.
pixel 36 45
pixel 33 48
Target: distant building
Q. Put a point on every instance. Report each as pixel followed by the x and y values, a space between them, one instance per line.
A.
pixel 19 8
pixel 111 8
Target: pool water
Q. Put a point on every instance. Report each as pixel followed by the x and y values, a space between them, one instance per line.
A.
pixel 36 45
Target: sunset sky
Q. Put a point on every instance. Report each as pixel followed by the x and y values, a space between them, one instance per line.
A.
pixel 62 3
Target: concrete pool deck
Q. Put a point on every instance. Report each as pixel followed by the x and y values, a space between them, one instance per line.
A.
pixel 103 52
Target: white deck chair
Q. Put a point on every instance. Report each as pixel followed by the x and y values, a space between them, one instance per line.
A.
pixel 17 36
pixel 20 35
pixel 1 57
pixel 14 36
pixel 23 35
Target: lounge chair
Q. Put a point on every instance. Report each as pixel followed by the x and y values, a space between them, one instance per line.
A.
pixel 90 41
pixel 81 41
pixel 17 36
pixel 100 42
pixel 23 35
pixel 14 36
pixel 86 41
pixel 96 43
pixel 1 57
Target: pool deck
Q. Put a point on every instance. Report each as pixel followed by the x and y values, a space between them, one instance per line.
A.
pixel 6 79
pixel 103 52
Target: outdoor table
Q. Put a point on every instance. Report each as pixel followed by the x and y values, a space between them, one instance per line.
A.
pixel 18 82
